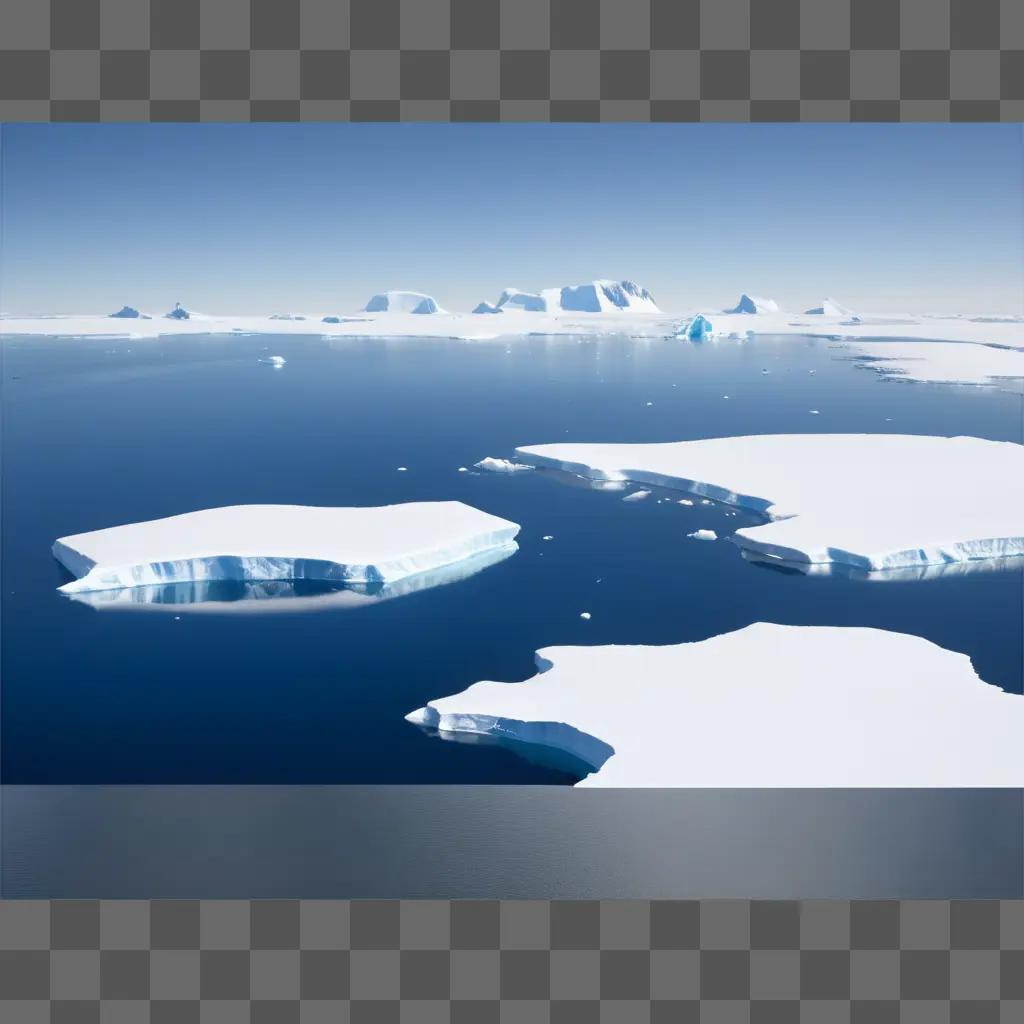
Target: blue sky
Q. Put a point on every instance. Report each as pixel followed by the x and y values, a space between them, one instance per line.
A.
pixel 273 218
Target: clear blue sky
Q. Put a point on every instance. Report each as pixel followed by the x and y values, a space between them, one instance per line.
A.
pixel 271 218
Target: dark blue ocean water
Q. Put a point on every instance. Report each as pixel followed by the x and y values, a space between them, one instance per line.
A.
pixel 99 432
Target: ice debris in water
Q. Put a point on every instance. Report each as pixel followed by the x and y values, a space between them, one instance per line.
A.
pixel 275 361
pixel 501 466
pixel 637 496
pixel 584 615
pixel 703 535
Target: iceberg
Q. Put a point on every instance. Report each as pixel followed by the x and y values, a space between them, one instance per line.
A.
pixel 697 329
pixel 765 706
pixel 128 313
pixel 754 304
pixel 178 313
pixel 513 298
pixel 870 501
pixel 829 307
pixel 602 296
pixel 283 542
pixel 492 465
pixel 402 302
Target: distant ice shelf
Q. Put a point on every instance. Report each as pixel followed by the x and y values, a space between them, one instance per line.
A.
pixel 973 349
pixel 765 706
pixel 283 542
pixel 869 501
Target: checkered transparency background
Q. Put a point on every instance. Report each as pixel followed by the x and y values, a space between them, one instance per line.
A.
pixel 489 60
pixel 476 962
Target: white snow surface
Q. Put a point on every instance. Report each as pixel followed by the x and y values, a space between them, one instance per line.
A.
pixel 402 302
pixel 869 501
pixel 974 353
pixel 283 542
pixel 766 706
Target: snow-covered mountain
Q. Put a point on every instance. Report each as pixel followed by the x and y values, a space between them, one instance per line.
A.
pixel 402 302
pixel 754 304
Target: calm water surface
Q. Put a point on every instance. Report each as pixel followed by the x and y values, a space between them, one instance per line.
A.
pixel 313 687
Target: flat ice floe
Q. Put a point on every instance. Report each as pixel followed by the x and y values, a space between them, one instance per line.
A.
pixel 766 706
pixel 869 501
pixel 283 542
pixel 945 362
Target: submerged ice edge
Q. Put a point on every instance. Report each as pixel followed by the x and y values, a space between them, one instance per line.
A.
pixel 275 596
pixel 265 568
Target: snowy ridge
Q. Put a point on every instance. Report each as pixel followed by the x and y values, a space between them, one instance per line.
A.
pixel 759 707
pixel 869 501
pixel 283 542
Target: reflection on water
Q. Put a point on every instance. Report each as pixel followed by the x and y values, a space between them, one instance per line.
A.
pixel 945 570
pixel 248 597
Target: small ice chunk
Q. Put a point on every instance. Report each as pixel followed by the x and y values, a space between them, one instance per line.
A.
pixel 403 469
pixel 648 403
pixel 637 496
pixel 584 615
pixel 684 501
pixel 276 361
pixel 703 535
pixel 548 536
pixel 463 469
pixel 501 466
pixel 815 412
